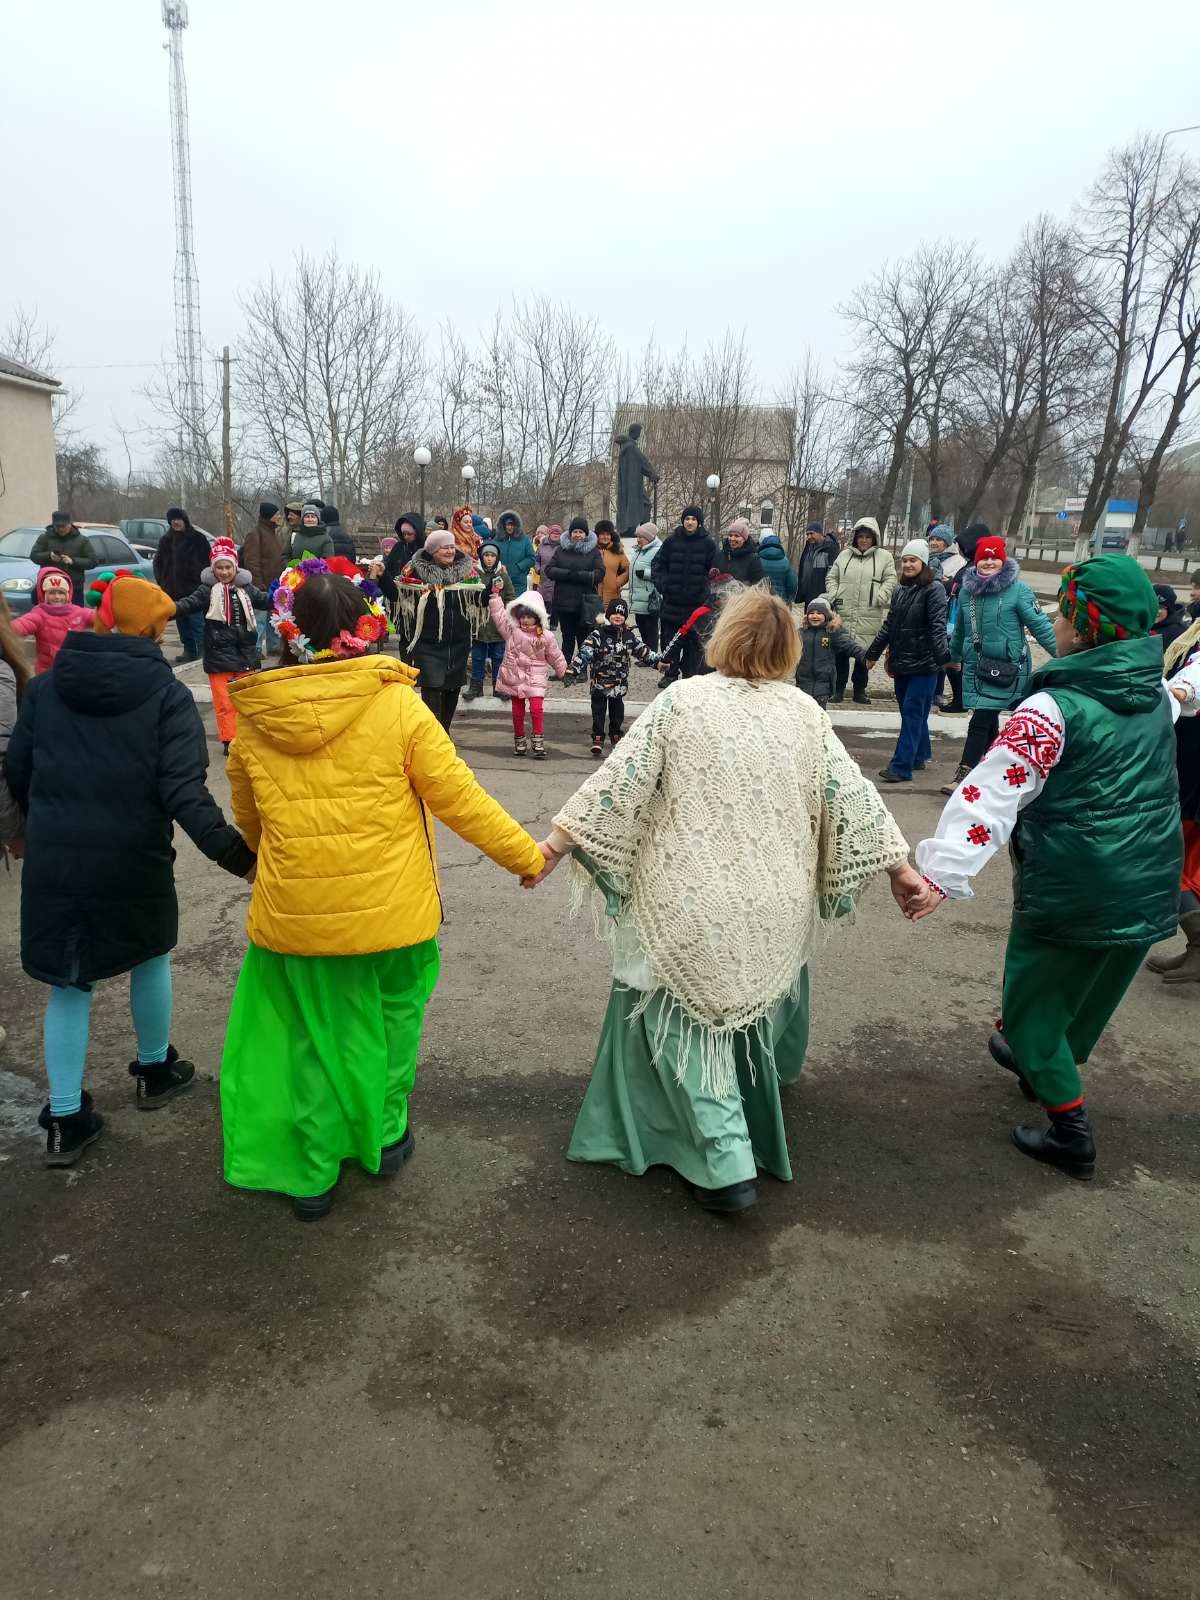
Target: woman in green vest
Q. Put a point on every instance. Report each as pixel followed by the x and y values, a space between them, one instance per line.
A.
pixel 1082 779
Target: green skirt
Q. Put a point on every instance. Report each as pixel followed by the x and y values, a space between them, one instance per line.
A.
pixel 320 1059
pixel 637 1115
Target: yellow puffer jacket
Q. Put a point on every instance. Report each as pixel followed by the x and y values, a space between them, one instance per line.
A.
pixel 333 770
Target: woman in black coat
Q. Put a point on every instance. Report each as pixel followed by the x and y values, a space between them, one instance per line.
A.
pixel 681 575
pixel 576 570
pixel 107 753
pixel 914 636
pixel 410 536
pixel 739 554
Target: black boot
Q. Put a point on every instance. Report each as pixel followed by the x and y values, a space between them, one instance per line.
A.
pixel 1067 1143
pixel 160 1081
pixel 68 1137
pixel 393 1156
pixel 1001 1053
pixel 311 1208
pixel 474 689
pixel 732 1198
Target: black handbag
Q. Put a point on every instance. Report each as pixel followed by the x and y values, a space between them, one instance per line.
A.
pixel 994 671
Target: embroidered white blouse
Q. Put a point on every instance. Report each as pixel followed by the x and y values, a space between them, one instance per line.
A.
pixel 980 816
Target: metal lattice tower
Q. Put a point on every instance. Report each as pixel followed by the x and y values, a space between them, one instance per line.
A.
pixel 187 282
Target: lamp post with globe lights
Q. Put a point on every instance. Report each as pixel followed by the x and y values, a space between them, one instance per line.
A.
pixel 468 474
pixel 421 459
pixel 713 482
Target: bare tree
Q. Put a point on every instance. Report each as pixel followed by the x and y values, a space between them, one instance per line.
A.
pixel 331 374
pixel 1127 296
pixel 909 323
pixel 818 448
pixel 28 340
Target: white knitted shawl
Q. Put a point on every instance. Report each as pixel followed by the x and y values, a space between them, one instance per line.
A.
pixel 732 824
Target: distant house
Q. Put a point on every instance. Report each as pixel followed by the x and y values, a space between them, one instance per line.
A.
pixel 28 481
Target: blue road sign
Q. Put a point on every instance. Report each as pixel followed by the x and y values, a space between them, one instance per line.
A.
pixel 1062 516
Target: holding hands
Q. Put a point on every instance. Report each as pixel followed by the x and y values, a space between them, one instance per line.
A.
pixel 915 897
pixel 551 858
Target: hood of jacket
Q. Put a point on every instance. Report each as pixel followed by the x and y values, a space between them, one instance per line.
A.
pixel 771 542
pixel 531 600
pixel 109 674
pixel 416 521
pixel 1125 676
pixel 863 525
pixel 177 514
pixel 973 581
pixel 516 532
pixel 584 549
pixel 301 710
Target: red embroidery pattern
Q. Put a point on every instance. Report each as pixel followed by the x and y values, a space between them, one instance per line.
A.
pixel 1032 737
pixel 970 793
pixel 1016 777
pixel 979 834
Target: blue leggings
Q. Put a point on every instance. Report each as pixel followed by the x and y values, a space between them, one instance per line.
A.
pixel 65 1032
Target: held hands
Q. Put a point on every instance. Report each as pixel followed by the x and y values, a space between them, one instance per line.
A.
pixel 954 666
pixel 1179 693
pixel 551 858
pixel 912 894
pixel 870 660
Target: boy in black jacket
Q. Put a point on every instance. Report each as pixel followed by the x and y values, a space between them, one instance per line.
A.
pixel 822 640
pixel 226 598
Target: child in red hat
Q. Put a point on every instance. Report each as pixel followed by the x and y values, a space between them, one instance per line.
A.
pixel 53 617
pixel 227 597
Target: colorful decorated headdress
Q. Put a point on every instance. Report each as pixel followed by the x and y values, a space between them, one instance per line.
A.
pixel 369 629
pixel 1108 598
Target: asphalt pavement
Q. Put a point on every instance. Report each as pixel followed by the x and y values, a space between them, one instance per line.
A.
pixel 926 1368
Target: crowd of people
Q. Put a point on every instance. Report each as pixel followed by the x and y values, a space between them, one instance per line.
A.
pixel 338 756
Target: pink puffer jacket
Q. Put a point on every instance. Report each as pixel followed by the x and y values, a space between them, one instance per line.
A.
pixel 50 625
pixel 528 657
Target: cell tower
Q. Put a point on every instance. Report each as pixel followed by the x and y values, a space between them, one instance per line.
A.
pixel 187 282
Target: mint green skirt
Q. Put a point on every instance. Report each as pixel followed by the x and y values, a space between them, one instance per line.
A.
pixel 320 1059
pixel 637 1115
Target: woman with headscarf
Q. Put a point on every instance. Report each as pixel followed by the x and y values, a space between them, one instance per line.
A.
pixel 441 608
pixel 712 923
pixel 410 537
pixel 462 526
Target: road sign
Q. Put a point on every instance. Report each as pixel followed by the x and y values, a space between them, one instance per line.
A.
pixel 1075 503
pixel 1063 516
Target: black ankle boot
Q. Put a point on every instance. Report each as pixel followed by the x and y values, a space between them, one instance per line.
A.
pixel 68 1137
pixel 732 1198
pixel 1067 1143
pixel 393 1156
pixel 1001 1054
pixel 310 1208
pixel 160 1081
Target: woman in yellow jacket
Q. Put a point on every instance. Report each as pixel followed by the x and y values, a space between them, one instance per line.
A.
pixel 335 772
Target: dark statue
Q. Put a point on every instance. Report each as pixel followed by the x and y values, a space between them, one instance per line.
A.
pixel 633 503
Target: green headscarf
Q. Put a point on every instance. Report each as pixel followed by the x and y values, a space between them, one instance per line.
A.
pixel 1107 598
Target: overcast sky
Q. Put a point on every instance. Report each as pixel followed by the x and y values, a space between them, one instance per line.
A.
pixel 681 167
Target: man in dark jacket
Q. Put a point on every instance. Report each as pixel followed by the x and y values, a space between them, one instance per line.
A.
pixel 343 541
pixel 262 557
pixel 820 551
pixel 181 557
pixel 681 575
pixel 98 888
pixel 62 545
pixel 1171 620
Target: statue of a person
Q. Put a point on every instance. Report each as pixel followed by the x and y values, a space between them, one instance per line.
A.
pixel 633 503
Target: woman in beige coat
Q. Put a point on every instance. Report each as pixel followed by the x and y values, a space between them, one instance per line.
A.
pixel 860 587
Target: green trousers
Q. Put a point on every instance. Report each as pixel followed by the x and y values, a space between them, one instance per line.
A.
pixel 320 1058
pixel 637 1115
pixel 1058 1000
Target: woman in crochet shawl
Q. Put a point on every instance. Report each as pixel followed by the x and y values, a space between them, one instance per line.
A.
pixel 712 924
pixel 441 605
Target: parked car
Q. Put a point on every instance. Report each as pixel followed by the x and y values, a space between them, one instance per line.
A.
pixel 143 533
pixel 18 574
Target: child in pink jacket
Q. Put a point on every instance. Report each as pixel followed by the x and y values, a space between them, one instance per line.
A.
pixel 530 650
pixel 53 617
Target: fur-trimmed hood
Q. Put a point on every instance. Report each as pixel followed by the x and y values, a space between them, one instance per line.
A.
pixel 531 600
pixel 973 581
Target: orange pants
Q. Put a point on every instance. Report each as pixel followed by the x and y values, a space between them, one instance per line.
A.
pixel 223 704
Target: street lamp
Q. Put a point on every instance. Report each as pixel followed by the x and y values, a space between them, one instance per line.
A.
pixel 421 459
pixel 468 472
pixel 713 482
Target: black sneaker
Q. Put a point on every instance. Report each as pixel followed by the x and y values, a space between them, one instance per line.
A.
pixel 393 1156
pixel 68 1137
pixel 734 1197
pixel 160 1081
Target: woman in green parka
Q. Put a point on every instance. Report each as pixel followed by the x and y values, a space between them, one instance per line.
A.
pixel 989 647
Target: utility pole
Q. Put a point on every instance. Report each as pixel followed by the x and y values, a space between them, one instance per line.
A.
pixel 226 449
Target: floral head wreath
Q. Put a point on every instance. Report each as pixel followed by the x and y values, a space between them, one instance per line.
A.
pixel 369 629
